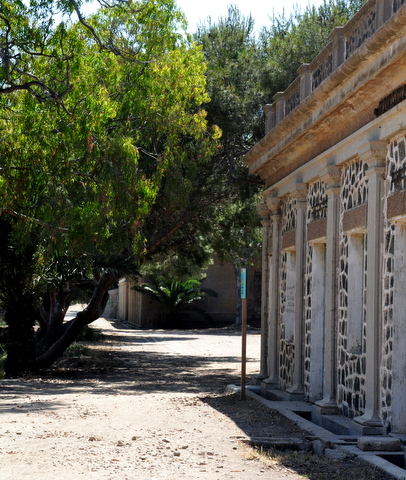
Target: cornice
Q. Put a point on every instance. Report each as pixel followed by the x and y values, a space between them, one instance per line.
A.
pixel 341 100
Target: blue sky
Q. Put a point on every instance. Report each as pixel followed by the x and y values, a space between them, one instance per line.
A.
pixel 197 11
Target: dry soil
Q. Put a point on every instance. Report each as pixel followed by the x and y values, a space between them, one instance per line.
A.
pixel 150 405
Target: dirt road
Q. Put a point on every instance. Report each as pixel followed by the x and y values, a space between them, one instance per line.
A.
pixel 145 405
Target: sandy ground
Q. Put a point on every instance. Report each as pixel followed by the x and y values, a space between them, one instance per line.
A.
pixel 145 405
pixel 151 415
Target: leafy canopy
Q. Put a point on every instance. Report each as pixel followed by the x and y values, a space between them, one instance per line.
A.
pixel 87 169
pixel 95 115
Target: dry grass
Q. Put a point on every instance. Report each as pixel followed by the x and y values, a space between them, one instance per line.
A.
pixel 315 467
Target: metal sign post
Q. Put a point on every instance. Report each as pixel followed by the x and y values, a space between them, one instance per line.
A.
pixel 243 273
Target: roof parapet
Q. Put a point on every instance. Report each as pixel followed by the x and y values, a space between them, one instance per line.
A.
pixel 344 41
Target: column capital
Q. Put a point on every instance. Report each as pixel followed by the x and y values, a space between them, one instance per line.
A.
pixel 269 108
pixel 331 176
pixel 299 192
pixel 273 204
pixel 374 154
pixel 304 68
pixel 338 32
pixel 263 211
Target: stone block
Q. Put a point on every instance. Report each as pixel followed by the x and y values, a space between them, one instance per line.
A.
pixel 317 229
pixel 289 239
pixel 396 205
pixel 335 454
pixel 355 218
pixel 319 448
pixel 379 444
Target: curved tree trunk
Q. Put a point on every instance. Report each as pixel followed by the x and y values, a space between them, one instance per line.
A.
pixel 60 338
pixel 20 340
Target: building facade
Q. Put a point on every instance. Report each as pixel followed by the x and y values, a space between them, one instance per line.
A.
pixel 144 312
pixel 333 160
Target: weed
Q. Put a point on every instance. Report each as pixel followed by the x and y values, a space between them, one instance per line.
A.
pixel 314 467
pixel 89 334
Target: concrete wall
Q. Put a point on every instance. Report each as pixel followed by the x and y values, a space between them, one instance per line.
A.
pixel 112 305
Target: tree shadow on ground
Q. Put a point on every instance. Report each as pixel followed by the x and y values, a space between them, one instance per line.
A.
pixel 118 365
pixel 230 330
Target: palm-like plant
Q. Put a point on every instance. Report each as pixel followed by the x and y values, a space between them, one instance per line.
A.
pixel 177 297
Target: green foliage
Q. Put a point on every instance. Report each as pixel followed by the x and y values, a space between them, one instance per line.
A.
pixel 89 334
pixel 110 149
pixel 207 208
pixel 177 297
pixel 243 73
pixel 291 41
pixel 86 170
pixel 96 117
pixel 233 80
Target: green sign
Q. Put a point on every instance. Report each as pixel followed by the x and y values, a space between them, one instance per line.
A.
pixel 243 272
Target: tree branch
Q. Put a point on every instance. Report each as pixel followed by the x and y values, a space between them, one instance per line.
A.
pixel 70 330
pixel 31 219
pixel 155 242
pixel 109 48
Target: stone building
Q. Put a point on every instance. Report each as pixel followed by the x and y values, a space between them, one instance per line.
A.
pixel 144 312
pixel 333 160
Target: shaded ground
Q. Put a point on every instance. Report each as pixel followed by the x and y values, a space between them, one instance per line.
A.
pixel 150 405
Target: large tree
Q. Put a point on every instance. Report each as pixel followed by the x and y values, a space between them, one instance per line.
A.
pixel 95 114
pixel 243 74
pixel 213 211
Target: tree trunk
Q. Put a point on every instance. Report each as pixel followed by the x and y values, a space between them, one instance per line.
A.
pixel 52 325
pixel 20 340
pixel 59 339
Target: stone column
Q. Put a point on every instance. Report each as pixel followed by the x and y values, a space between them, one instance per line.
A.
pixel 374 154
pixel 270 117
pixel 331 176
pixel 273 296
pixel 337 38
pixel 398 422
pixel 280 106
pixel 300 192
pixel 305 81
pixel 264 212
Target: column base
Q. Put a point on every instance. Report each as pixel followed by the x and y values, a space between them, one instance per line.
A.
pixel 268 384
pixel 370 424
pixel 326 407
pixel 295 393
pixel 274 381
pixel 257 379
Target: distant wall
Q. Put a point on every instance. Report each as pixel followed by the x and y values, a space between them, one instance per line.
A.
pixel 144 312
pixel 112 305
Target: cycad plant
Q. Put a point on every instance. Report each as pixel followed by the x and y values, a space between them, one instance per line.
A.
pixel 178 297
